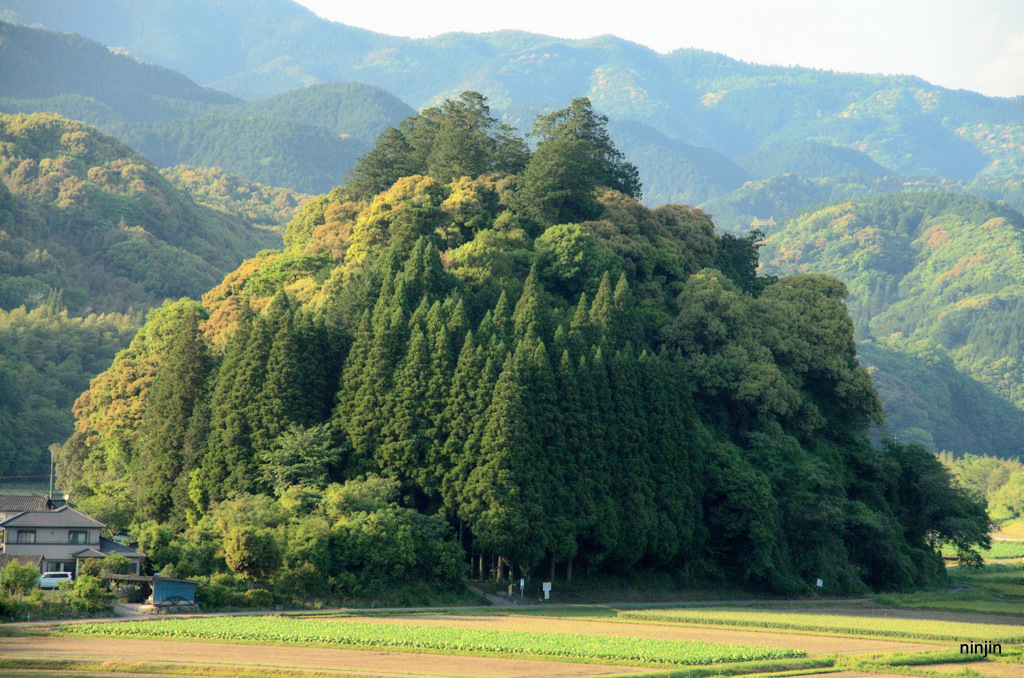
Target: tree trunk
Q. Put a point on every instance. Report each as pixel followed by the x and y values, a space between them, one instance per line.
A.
pixel 551 577
pixel 568 572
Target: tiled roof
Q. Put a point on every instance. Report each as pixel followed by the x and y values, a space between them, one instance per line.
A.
pixel 110 547
pixel 62 517
pixel 24 560
pixel 89 553
pixel 11 503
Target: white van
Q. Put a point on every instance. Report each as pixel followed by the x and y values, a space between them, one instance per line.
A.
pixel 51 580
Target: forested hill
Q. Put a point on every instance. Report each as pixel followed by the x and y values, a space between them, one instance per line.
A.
pixel 530 354
pixel 264 47
pixel 114 233
pixel 83 80
pixel 306 139
pixel 936 285
pixel 91 236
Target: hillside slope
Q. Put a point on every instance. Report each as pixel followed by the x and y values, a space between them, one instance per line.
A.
pixel 83 80
pixel 112 231
pixel 938 277
pixel 91 236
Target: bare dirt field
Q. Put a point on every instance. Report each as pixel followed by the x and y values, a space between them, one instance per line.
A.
pixel 809 643
pixel 371 662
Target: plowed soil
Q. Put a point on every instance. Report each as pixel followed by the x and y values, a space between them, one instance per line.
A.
pixel 370 662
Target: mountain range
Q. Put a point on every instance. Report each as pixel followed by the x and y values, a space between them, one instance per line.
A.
pixel 257 49
pixel 271 93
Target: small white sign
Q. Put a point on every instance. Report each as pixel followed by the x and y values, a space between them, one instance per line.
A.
pixel 546 586
pixel 820 583
pixel 522 583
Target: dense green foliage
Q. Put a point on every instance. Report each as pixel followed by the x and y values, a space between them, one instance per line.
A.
pixel 18 577
pixel 999 482
pixel 87 596
pixel 46 359
pixel 503 642
pixel 506 347
pixel 939 278
pixel 928 400
pixel 81 212
pixel 90 235
pixel 459 138
pixel 267 207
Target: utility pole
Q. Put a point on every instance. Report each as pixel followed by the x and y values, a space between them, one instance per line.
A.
pixel 49 495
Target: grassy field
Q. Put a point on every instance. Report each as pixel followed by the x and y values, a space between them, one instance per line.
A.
pixel 1000 550
pixel 355 634
pixel 830 623
pixel 995 588
pixel 1013 528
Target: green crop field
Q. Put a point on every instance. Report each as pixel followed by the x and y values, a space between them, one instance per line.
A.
pixel 1001 549
pixel 825 623
pixel 338 632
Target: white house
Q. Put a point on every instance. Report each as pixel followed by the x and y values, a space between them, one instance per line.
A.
pixel 60 538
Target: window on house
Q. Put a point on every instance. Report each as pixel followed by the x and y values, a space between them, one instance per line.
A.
pixel 26 536
pixel 78 536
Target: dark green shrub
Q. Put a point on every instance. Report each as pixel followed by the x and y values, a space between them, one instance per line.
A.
pixel 259 598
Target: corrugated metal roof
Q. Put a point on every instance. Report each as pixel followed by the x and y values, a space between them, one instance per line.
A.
pixel 62 517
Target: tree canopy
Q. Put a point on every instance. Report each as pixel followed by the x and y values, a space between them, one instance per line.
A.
pixel 621 391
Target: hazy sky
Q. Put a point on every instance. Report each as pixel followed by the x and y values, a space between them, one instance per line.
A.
pixel 959 44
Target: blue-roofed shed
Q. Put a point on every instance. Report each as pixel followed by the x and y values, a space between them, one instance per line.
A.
pixel 167 589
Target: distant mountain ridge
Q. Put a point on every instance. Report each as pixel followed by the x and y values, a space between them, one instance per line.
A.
pixel 81 79
pixel 307 139
pixel 701 98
